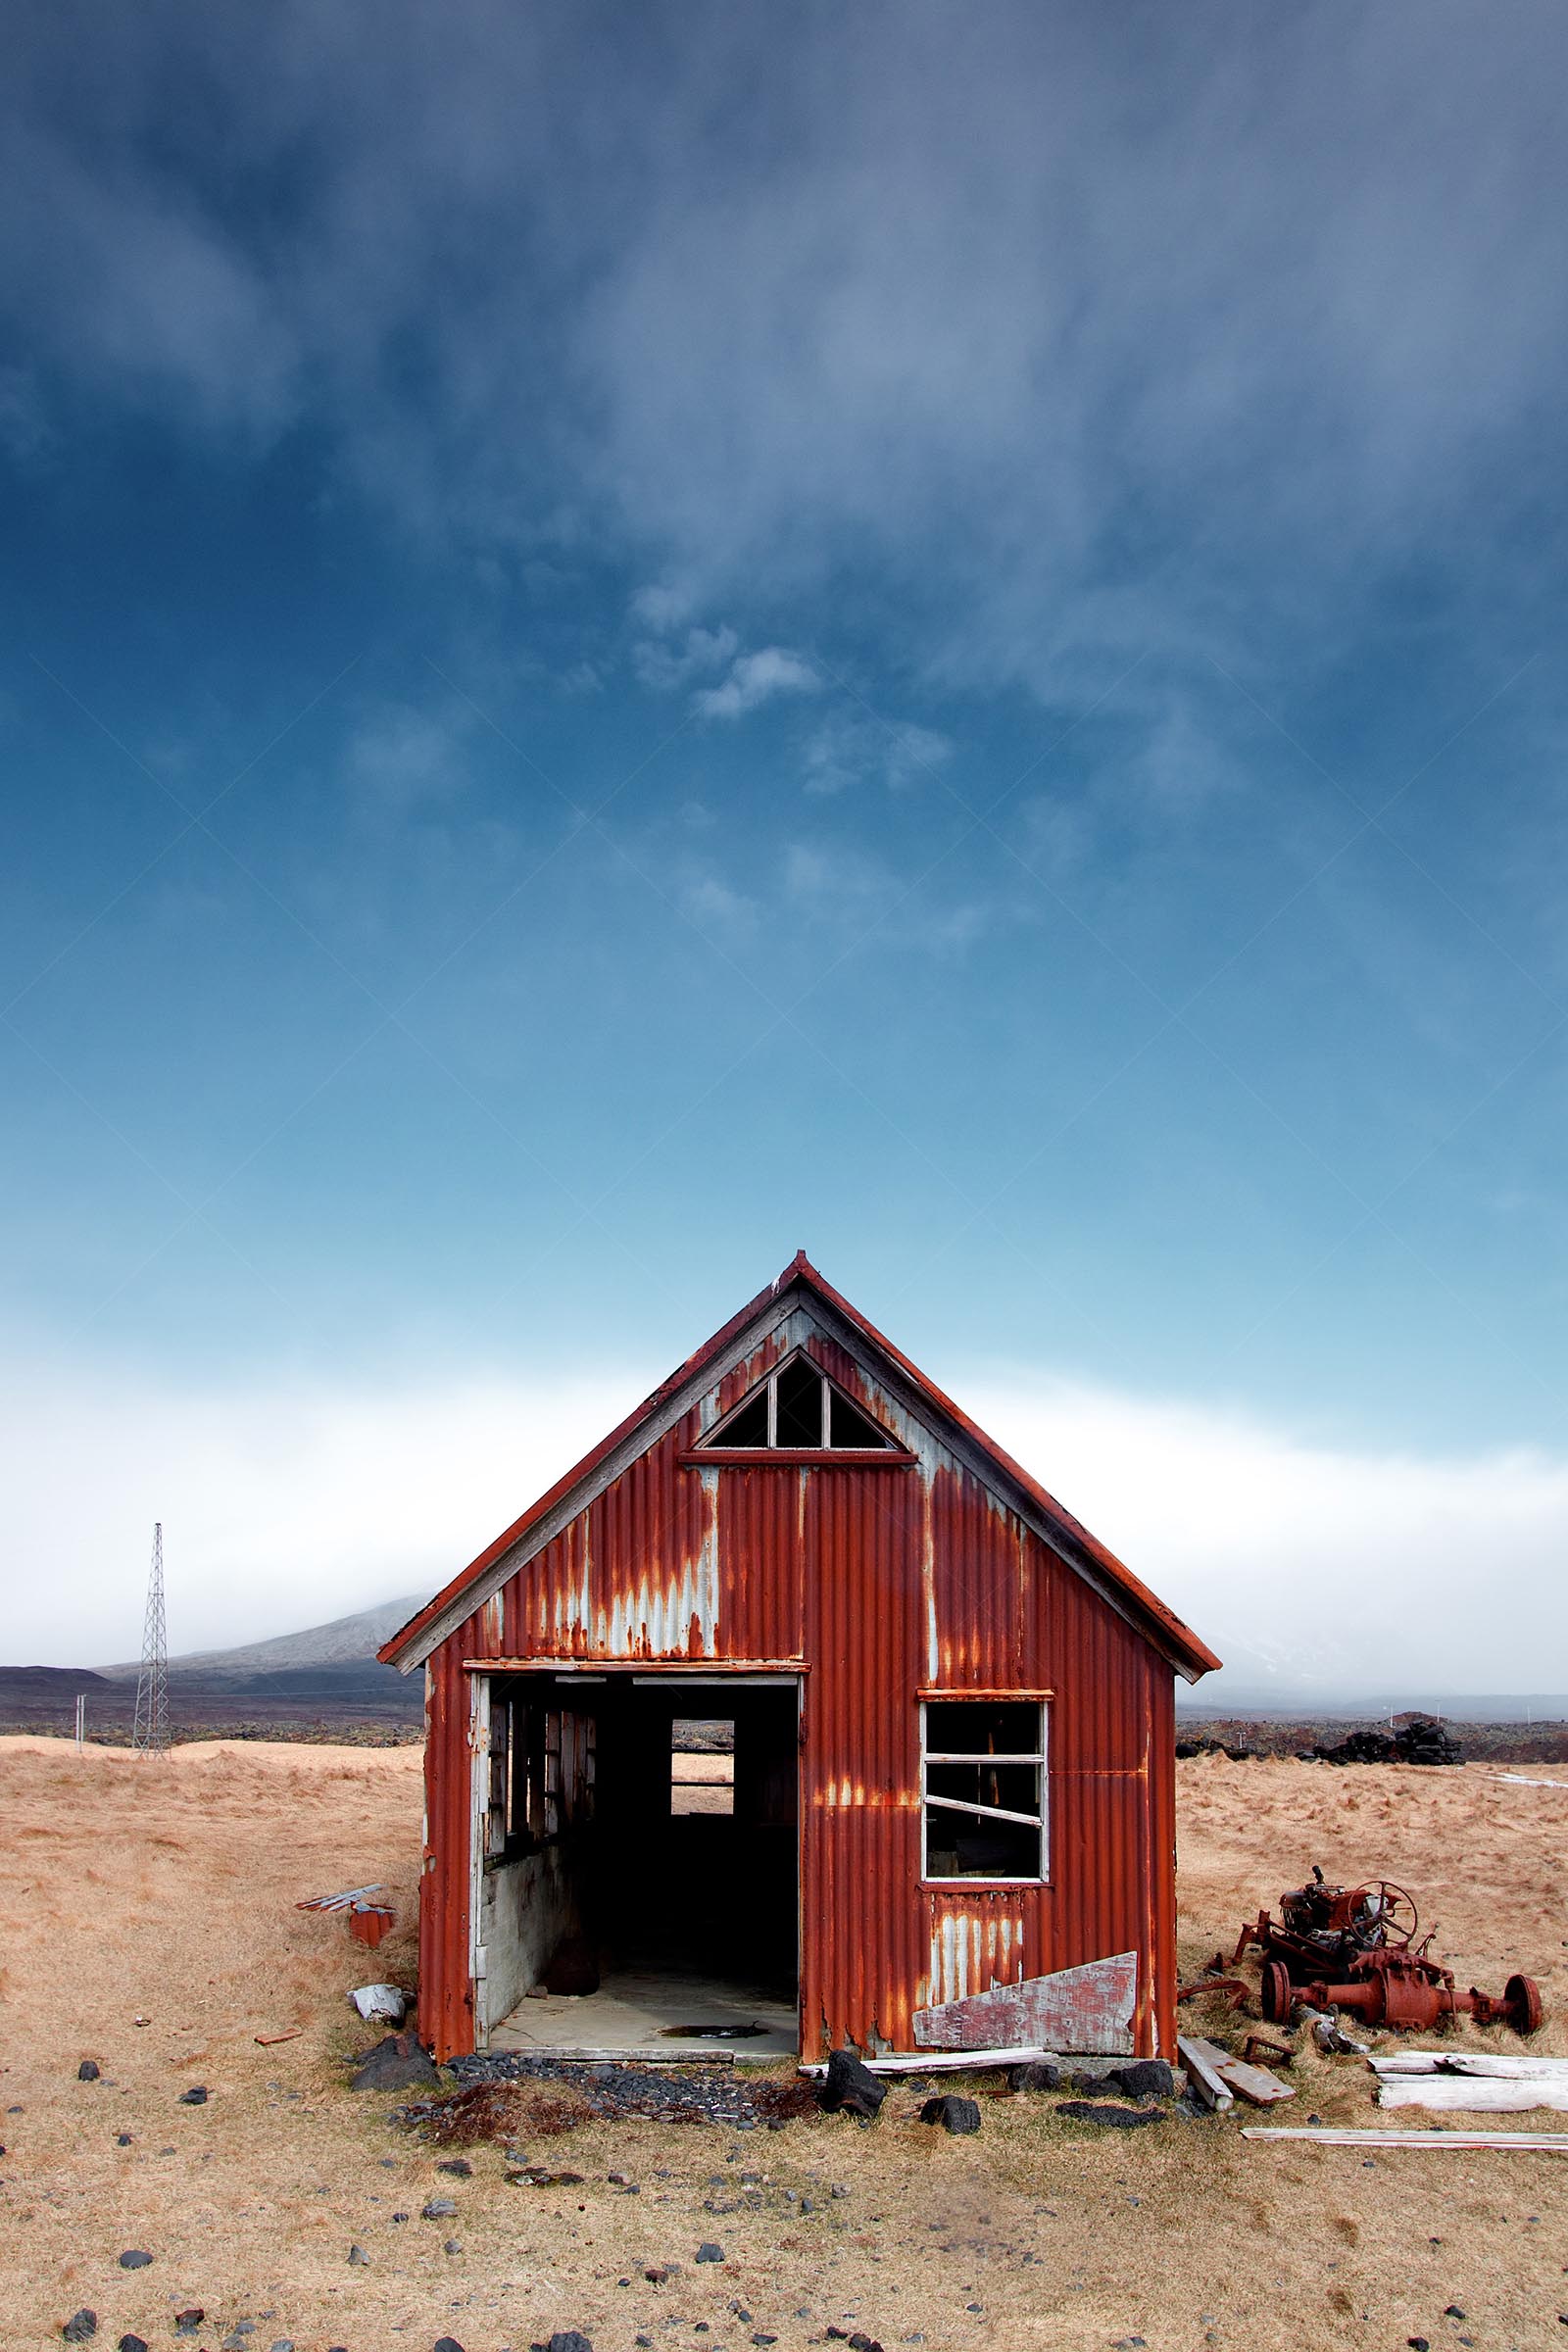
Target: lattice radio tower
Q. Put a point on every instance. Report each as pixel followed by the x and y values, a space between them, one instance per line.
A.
pixel 151 1734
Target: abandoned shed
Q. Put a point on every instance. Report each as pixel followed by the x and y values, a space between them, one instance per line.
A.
pixel 798 1714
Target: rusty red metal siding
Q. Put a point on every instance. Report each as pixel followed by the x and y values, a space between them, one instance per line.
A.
pixel 881 1583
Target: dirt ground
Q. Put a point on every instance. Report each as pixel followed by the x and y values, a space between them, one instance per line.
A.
pixel 147 1922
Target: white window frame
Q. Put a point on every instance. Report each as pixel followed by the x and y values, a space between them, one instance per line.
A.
pixel 930 1756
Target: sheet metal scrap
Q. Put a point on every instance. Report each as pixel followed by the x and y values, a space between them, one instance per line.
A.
pixel 1356 1948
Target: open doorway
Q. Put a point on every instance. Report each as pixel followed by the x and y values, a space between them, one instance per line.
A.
pixel 639 1886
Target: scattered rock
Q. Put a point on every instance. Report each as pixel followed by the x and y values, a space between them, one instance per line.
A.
pixel 89 2071
pixel 131 2343
pixel 709 2252
pixel 357 2256
pixel 136 2258
pixel 1037 2074
pixel 187 2322
pixel 285 2343
pixel 566 2340
pixel 121 2139
pixel 539 2176
pixel 446 2344
pixel 460 2167
pixel 1145 2078
pixel 196 2096
pixel 82 2326
pixel 952 2113
pixel 1121 2119
pixel 437 2209
pixel 850 2088
pixel 396 2063
pixel 452 2245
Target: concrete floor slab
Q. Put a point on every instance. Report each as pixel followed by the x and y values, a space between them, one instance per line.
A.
pixel 634 2013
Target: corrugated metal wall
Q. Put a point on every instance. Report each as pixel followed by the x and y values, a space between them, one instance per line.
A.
pixel 883 1582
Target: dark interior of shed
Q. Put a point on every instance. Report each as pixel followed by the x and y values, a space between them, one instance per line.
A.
pixel 640 1830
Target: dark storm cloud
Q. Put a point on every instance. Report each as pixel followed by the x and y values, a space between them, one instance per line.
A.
pixel 1087 327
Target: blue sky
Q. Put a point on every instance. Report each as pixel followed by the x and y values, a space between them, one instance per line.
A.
pixel 635 641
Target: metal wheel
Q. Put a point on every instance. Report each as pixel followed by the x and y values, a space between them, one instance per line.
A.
pixel 1397 1914
pixel 1279 1994
pixel 1523 1997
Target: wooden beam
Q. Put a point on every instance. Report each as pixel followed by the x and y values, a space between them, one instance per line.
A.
pixel 1553 2144
pixel 1475 2094
pixel 1199 2056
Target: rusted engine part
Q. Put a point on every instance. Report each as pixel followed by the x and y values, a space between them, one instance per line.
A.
pixel 1321 1929
pixel 1233 1989
pixel 1356 1948
pixel 1402 1990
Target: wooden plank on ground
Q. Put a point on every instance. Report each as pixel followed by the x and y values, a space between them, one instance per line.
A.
pixel 1254 2084
pixel 1088 2010
pixel 1470 2062
pixel 938 2062
pixel 1199 2057
pixel 1474 2095
pixel 1553 2144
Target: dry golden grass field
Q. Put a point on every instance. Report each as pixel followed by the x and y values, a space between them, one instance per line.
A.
pixel 147 1920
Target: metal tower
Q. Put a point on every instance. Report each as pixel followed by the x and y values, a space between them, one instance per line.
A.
pixel 151 1734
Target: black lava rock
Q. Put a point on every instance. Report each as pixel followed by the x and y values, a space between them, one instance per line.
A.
pixel 89 2071
pixel 709 2252
pixel 1120 2119
pixel 457 2165
pixel 446 2344
pixel 82 2326
pixel 135 2259
pixel 952 2113
pixel 196 2096
pixel 566 2339
pixel 396 2063
pixel 850 2088
pixel 131 2343
pixel 121 2139
pixel 1038 2074
pixel 1145 2078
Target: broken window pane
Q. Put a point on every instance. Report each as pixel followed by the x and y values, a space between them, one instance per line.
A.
pixel 749 1426
pixel 848 1426
pixel 984 1782
pixel 800 1404
pixel 983 1727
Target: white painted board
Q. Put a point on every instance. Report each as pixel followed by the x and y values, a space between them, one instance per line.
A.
pixel 1474 2095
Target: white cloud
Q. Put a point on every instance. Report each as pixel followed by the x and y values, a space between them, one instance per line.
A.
pixel 668 667
pixel 844 752
pixel 754 680
pixel 284 1507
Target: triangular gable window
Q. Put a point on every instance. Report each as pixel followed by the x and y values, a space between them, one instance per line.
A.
pixel 798 1410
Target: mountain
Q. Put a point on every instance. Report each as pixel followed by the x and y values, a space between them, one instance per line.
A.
pixel 344 1641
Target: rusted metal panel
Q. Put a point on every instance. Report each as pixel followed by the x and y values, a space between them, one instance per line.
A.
pixel 882 1584
pixel 1087 2009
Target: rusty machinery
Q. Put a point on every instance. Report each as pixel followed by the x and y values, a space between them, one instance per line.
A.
pixel 1356 1948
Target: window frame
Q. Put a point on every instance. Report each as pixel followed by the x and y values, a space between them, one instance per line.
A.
pixel 1041 1702
pixel 711 1444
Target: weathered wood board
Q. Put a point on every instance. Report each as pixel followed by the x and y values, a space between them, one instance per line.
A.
pixel 1200 2059
pixel 1528 2143
pixel 1475 2094
pixel 1254 2084
pixel 1470 2062
pixel 1086 2010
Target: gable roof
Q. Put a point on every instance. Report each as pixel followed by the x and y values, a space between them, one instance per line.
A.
pixel 458 1600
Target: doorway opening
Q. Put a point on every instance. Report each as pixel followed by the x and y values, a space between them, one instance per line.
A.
pixel 639 1887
